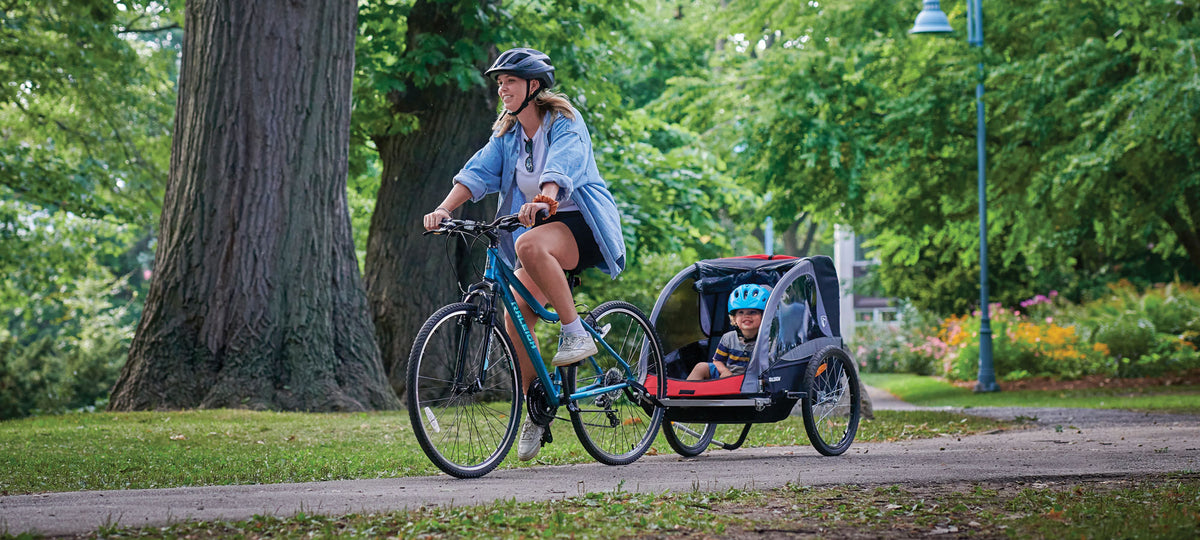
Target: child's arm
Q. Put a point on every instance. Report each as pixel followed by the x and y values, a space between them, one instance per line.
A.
pixel 722 354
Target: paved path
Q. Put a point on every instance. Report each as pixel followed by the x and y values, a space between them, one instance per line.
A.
pixel 1065 443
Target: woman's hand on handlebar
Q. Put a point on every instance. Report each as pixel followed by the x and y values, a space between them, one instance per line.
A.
pixel 529 212
pixel 434 219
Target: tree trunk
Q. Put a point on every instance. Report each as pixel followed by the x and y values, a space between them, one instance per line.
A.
pixel 1185 233
pixel 256 300
pixel 791 238
pixel 409 275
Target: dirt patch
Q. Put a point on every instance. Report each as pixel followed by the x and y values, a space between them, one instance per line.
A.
pixel 1191 378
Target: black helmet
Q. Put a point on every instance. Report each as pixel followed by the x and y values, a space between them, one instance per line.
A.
pixel 525 63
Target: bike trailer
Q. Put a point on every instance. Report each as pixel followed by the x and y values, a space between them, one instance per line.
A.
pixel 800 320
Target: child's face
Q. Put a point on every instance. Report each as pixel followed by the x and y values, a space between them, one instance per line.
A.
pixel 747 320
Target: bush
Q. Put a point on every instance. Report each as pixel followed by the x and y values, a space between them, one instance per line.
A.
pixel 900 348
pixel 1147 333
pixel 73 360
pixel 1127 336
pixel 1022 346
pixel 1128 333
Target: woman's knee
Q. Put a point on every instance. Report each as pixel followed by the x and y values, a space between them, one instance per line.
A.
pixel 529 248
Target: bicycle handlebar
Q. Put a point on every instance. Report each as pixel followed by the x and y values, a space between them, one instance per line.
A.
pixel 506 223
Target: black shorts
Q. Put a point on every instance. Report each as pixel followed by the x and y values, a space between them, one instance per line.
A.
pixel 589 251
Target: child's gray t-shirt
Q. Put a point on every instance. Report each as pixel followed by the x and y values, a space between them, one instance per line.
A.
pixel 734 352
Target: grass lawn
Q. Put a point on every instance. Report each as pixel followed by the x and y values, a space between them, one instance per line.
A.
pixel 95 451
pixel 936 392
pixel 211 447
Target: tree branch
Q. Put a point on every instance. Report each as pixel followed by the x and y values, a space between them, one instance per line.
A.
pixel 171 26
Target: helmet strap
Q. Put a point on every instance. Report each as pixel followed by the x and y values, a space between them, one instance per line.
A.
pixel 528 97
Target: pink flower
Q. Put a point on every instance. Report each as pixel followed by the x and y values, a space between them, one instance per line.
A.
pixel 1050 319
pixel 146 274
pixel 1053 294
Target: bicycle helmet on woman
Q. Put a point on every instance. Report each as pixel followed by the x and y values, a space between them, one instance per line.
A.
pixel 527 64
pixel 749 296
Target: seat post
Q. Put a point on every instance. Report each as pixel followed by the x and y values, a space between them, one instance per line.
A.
pixel 573 279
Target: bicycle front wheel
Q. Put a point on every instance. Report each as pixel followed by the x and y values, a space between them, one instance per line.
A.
pixel 831 403
pixel 464 392
pixel 618 426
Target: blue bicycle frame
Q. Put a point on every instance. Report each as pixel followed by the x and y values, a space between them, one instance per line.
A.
pixel 499 273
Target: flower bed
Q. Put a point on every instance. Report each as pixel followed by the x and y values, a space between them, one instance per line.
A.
pixel 1127 333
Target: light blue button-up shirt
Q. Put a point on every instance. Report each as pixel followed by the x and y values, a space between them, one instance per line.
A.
pixel 570 163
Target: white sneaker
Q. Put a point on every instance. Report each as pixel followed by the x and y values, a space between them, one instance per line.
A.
pixel 531 440
pixel 573 348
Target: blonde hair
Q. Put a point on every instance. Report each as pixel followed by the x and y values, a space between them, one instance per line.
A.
pixel 544 101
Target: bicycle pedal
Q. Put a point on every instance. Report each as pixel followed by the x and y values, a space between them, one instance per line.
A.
pixel 547 437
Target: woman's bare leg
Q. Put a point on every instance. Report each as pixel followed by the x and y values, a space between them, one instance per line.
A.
pixel 545 251
pixel 531 319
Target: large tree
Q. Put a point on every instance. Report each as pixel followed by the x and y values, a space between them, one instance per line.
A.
pixel 423 104
pixel 435 113
pixel 256 299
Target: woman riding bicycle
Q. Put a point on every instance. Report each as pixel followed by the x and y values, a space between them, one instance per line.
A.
pixel 540 159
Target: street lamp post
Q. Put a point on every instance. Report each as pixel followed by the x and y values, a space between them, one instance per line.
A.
pixel 933 20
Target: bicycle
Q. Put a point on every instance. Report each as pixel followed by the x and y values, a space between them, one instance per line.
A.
pixel 464 390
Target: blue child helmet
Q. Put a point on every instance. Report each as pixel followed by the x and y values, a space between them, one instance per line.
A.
pixel 749 296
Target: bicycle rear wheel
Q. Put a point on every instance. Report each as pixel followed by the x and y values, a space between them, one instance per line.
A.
pixel 689 438
pixel 618 426
pixel 831 401
pixel 464 393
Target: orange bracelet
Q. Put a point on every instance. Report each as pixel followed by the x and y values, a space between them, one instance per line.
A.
pixel 544 199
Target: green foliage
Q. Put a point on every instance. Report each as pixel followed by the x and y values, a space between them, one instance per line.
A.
pixel 674 198
pixel 836 111
pixel 640 285
pixel 395 64
pixel 70 348
pixel 1107 167
pixel 1148 333
pixel 671 192
pixel 86 110
pixel 87 104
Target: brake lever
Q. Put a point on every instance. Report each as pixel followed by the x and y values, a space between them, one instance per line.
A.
pixel 443 227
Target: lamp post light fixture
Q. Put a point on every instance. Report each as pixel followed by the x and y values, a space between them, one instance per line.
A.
pixel 933 20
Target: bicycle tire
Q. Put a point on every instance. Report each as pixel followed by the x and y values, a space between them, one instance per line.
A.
pixel 617 427
pixel 831 404
pixel 689 439
pixel 465 424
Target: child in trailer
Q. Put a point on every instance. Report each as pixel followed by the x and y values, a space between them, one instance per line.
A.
pixel 746 305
